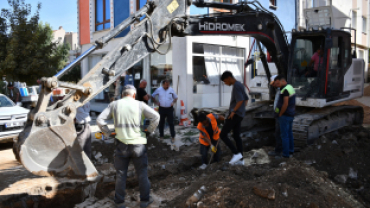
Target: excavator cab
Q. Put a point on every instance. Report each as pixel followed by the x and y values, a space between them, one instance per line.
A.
pixel 321 67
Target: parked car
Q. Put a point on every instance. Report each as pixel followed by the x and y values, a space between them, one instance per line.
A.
pixel 12 119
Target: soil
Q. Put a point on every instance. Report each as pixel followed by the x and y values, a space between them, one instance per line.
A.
pixel 367 91
pixel 357 103
pixel 334 172
pixel 309 179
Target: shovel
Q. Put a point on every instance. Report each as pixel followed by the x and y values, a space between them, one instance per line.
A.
pixel 213 153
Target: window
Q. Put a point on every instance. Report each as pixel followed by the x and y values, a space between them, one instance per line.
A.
pixel 102 14
pixel 364 22
pixel 354 19
pixel 209 62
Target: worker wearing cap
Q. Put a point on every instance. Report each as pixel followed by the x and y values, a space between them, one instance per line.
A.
pixel 278 143
pixel 130 141
pixel 208 137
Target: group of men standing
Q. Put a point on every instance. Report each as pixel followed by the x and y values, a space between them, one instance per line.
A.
pixel 128 112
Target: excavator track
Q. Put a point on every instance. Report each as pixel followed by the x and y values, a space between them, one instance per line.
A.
pixel 307 127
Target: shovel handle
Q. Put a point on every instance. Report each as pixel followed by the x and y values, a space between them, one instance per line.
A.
pixel 213 153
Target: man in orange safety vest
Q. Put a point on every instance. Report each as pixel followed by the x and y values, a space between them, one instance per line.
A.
pixel 209 134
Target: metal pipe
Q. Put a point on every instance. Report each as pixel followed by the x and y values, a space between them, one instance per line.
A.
pixel 84 90
pixel 75 62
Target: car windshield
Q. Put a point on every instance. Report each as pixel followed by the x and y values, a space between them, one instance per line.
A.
pixel 5 102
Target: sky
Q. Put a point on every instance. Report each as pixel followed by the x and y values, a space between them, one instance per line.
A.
pixel 55 12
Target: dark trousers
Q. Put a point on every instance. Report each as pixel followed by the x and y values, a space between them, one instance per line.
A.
pixel 278 142
pixel 204 152
pixel 286 128
pixel 84 138
pixel 166 112
pixel 233 124
pixel 123 154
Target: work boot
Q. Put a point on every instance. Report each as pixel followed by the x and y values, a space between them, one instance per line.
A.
pixel 202 167
pixel 144 204
pixel 236 158
pixel 121 205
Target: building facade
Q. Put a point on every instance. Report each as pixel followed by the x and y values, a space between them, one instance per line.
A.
pixel 346 13
pixel 60 36
pixel 193 64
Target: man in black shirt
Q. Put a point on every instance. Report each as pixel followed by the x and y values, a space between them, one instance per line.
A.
pixel 141 93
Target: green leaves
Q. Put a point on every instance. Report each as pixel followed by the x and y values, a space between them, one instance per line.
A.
pixel 27 50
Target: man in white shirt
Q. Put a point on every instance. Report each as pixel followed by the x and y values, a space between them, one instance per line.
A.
pixel 166 99
pixel 83 128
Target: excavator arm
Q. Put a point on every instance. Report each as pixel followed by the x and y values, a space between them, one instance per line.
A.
pixel 48 145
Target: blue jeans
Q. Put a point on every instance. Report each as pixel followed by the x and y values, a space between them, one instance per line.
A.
pixel 123 154
pixel 286 124
pixel 278 142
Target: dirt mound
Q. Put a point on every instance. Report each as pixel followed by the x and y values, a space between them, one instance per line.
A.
pixel 356 103
pixel 367 91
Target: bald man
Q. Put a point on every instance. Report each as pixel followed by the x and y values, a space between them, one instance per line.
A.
pixel 141 93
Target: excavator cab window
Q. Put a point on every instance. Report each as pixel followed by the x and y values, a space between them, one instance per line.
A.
pixel 307 63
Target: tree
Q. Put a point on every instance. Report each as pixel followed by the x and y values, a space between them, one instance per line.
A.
pixel 73 75
pixel 30 52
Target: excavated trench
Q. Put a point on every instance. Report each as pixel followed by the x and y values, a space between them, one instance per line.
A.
pixel 318 176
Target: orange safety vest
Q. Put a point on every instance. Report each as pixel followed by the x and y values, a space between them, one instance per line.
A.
pixel 204 133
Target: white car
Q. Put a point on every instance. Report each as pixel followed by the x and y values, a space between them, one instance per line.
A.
pixel 12 119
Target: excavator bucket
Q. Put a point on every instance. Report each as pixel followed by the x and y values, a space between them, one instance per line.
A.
pixel 48 146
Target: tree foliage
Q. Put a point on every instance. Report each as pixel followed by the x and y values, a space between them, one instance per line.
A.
pixel 29 51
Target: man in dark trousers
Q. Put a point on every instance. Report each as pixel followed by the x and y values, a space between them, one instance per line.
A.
pixel 239 100
pixel 208 137
pixel 278 143
pixel 166 99
pixel 130 142
pixel 285 109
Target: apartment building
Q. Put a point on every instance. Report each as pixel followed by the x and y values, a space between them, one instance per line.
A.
pixel 60 36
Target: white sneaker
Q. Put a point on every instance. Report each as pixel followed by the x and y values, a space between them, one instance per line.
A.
pixel 202 167
pixel 236 158
pixel 240 162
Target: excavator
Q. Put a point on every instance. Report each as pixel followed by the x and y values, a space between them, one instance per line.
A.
pixel 48 145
